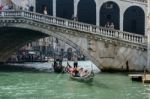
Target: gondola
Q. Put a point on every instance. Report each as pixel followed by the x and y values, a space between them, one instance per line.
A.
pixel 58 68
pixel 88 78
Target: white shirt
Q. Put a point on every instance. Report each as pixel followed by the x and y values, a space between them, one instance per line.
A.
pixel 45 12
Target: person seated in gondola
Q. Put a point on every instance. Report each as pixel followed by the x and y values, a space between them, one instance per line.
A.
pixel 81 72
pixel 69 68
pixel 86 73
pixel 75 72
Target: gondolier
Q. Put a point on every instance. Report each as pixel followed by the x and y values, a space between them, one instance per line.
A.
pixel 75 61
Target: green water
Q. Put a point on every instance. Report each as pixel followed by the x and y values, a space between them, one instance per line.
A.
pixel 29 85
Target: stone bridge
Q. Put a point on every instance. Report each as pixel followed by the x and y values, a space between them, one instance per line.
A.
pixel 107 48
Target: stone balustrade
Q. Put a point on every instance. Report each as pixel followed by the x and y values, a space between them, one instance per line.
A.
pixel 141 1
pixel 144 1
pixel 95 30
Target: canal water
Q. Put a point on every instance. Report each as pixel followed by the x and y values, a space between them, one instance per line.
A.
pixel 35 85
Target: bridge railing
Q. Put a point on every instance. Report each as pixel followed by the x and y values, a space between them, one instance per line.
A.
pixel 142 1
pixel 106 32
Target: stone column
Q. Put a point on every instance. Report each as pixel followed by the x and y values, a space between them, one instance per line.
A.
pixel 34 4
pixel 76 7
pixel 148 35
pixel 121 18
pixel 54 8
pixel 97 15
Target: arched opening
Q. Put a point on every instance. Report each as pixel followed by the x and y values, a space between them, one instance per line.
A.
pixel 40 4
pixel 134 20
pixel 87 11
pixel 110 13
pixel 64 8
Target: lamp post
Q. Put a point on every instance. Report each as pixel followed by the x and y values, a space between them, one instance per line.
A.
pixel 148 35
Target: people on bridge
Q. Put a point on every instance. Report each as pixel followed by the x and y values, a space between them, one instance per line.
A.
pixel 45 10
pixel 74 17
pixel 31 8
pixel 110 25
pixel 107 25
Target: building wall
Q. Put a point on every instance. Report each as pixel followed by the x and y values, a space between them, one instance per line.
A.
pixel 122 4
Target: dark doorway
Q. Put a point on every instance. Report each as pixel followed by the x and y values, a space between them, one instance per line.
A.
pixel 40 4
pixel 87 11
pixel 134 20
pixel 65 8
pixel 133 26
pixel 110 12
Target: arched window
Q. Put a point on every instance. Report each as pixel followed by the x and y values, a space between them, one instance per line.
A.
pixel 65 8
pixel 40 4
pixel 134 20
pixel 87 11
pixel 110 13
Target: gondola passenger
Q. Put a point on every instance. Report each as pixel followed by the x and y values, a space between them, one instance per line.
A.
pixel 76 72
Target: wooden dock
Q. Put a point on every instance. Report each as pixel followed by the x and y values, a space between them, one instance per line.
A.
pixel 145 78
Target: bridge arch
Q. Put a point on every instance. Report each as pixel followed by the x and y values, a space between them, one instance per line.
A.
pixel 64 8
pixel 134 20
pixel 41 31
pixel 87 11
pixel 16 38
pixel 110 12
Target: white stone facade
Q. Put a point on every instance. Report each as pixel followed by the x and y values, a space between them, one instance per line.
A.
pixel 107 48
pixel 148 35
pixel 122 4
